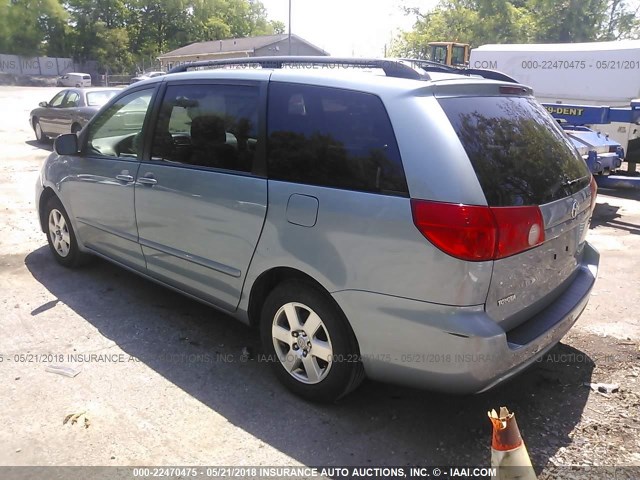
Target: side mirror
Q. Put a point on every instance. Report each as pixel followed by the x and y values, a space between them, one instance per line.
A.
pixel 66 144
pixel 44 104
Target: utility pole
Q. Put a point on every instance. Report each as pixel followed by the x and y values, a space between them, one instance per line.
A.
pixel 289 27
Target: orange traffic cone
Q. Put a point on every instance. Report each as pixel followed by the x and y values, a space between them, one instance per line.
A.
pixel 509 456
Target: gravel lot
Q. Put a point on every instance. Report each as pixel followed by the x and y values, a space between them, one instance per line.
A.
pixel 167 385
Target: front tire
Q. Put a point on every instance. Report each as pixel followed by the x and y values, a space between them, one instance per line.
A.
pixel 60 235
pixel 75 128
pixel 40 136
pixel 311 346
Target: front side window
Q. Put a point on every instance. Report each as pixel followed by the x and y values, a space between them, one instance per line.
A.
pixel 117 131
pixel 57 100
pixel 333 138
pixel 214 126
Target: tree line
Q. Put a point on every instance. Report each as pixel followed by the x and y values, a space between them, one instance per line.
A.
pixel 480 22
pixel 124 35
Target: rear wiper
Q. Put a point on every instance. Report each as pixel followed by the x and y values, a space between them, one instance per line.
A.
pixel 568 183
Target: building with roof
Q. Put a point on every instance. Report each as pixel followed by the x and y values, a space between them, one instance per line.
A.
pixel 267 45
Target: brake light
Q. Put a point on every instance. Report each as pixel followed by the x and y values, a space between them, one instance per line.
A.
pixel 478 233
pixel 513 90
pixel 594 192
pixel 519 229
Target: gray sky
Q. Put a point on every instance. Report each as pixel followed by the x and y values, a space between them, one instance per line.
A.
pixel 346 27
pixel 350 27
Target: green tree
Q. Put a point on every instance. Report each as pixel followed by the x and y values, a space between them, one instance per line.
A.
pixel 122 33
pixel 26 26
pixel 479 22
pixel 218 19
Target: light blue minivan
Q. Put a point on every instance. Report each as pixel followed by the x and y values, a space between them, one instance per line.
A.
pixel 415 225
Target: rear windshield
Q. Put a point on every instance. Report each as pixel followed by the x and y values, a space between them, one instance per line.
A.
pixel 86 77
pixel 97 99
pixel 519 153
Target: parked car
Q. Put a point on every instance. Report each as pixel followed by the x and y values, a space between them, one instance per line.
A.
pixel 146 76
pixel 68 111
pixel 419 227
pixel 74 80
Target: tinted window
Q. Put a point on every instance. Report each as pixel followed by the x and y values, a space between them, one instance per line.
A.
pixel 333 138
pixel 212 126
pixel 519 153
pixel 116 132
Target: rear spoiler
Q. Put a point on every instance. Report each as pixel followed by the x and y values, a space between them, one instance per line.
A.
pixel 429 66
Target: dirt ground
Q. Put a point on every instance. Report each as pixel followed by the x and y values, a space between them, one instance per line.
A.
pixel 168 385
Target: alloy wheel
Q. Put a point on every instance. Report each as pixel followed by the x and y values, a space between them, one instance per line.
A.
pixel 59 233
pixel 302 343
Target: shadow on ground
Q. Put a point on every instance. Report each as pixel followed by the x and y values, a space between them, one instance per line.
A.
pixel 376 425
pixel 606 215
pixel 48 145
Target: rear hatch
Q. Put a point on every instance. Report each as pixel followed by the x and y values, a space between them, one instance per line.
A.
pixel 522 158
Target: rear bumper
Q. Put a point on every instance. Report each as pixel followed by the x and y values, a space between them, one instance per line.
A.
pixel 457 349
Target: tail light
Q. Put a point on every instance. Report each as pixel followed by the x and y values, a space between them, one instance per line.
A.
pixel 594 192
pixel 478 233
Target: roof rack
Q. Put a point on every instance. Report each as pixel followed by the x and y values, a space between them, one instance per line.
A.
pixel 391 67
pixel 431 66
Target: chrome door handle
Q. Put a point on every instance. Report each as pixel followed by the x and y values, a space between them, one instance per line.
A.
pixel 124 178
pixel 147 180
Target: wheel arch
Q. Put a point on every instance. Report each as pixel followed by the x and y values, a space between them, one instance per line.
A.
pixel 46 194
pixel 269 279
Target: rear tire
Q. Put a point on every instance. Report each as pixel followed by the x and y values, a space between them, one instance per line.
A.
pixel 60 235
pixel 309 342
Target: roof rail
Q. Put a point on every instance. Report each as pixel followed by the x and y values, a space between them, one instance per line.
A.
pixel 391 67
pixel 431 66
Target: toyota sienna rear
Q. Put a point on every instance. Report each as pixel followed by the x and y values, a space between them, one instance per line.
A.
pixel 417 227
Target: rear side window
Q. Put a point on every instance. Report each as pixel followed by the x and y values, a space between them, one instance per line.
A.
pixel 332 138
pixel 519 153
pixel 72 99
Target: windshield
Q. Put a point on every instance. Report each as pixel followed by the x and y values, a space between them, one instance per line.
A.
pixel 97 99
pixel 519 152
pixel 438 54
